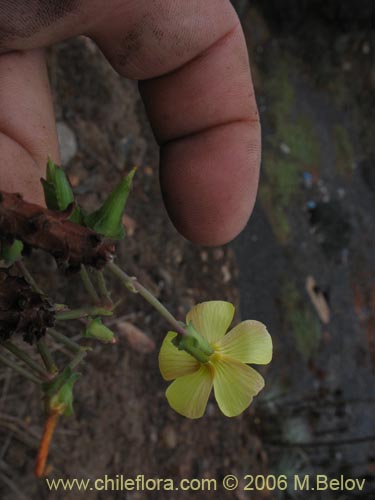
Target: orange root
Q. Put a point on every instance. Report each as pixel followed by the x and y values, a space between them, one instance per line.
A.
pixel 45 442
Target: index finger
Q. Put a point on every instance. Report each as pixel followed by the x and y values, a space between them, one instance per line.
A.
pixel 198 93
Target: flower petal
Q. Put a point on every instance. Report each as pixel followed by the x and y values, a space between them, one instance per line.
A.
pixel 174 363
pixel 211 319
pixel 188 395
pixel 235 385
pixel 248 342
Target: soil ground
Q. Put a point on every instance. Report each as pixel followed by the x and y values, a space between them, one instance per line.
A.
pixel 314 217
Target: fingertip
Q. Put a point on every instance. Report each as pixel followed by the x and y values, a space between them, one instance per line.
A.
pixel 209 181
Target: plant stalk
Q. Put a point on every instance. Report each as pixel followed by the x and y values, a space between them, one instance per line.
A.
pixel 60 337
pixel 19 369
pixel 87 283
pixel 46 356
pixel 21 266
pixel 133 284
pixel 23 356
pixel 82 312
pixel 103 290
pixel 45 442
pixel 77 359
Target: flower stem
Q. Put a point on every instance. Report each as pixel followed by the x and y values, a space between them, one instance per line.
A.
pixel 21 266
pixel 77 359
pixel 23 356
pixel 60 337
pixel 45 442
pixel 103 290
pixel 46 356
pixel 87 283
pixel 19 369
pixel 82 312
pixel 133 285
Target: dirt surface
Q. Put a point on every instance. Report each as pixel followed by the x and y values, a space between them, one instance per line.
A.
pixel 314 218
pixel 315 221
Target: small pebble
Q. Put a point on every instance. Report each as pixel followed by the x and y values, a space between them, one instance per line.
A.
pixel 136 338
pixel 226 274
pixel 285 148
pixel 366 48
pixel 130 225
pixel 67 142
pixel 169 437
pixel 218 253
pixel 204 256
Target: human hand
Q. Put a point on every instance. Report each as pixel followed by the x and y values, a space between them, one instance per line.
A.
pixel 192 63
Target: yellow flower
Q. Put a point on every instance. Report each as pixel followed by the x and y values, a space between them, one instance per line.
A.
pixel 235 383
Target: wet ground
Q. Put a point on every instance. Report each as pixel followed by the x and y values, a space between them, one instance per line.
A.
pixel 304 265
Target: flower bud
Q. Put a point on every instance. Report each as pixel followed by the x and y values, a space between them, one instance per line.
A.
pixel 62 401
pixel 107 221
pixel 97 330
pixel 58 193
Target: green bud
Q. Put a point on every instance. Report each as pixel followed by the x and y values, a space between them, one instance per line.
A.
pixel 62 400
pixel 107 221
pixel 58 193
pixel 11 252
pixel 194 344
pixel 97 330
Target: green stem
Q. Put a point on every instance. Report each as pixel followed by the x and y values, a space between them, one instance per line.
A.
pixel 82 312
pixel 46 356
pixel 77 359
pixel 87 283
pixel 23 356
pixel 21 371
pixel 133 285
pixel 21 266
pixel 103 290
pixel 60 337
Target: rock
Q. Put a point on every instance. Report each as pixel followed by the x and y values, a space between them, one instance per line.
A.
pixel 284 148
pixel 204 256
pixel 227 276
pixel 169 437
pixel 129 224
pixel 126 144
pixel 318 300
pixel 67 142
pixel 166 277
pixel 218 253
pixel 149 171
pixel 137 339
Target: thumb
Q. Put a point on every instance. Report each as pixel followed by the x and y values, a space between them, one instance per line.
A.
pixel 28 132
